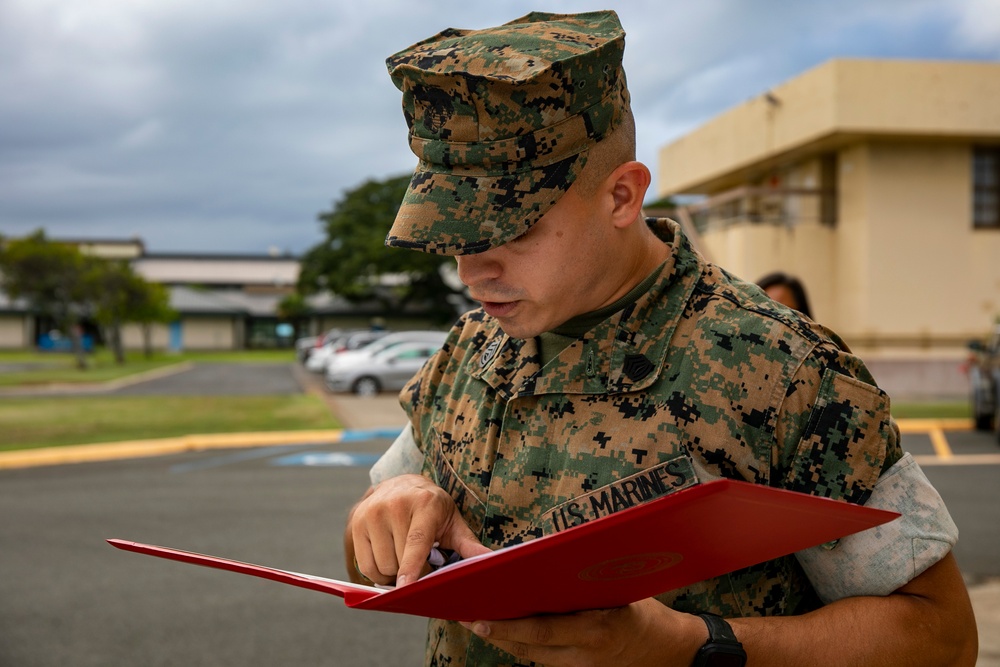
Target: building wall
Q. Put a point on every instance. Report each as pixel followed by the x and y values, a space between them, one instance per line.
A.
pixel 801 245
pixel 923 278
pixel 831 106
pixel 14 332
pixel 279 273
pixel 197 333
pixel 209 333
pixel 852 248
pixel 903 273
pixel 903 270
pixel 159 337
pixel 920 228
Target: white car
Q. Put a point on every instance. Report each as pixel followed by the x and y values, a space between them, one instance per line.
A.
pixel 387 370
pixel 385 342
pixel 332 346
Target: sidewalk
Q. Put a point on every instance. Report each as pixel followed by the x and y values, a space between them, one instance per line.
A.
pixel 354 412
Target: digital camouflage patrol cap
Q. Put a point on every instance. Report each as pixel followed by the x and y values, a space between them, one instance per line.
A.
pixel 501 120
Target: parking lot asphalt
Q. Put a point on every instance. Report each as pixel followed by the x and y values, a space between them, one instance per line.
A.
pixel 375 419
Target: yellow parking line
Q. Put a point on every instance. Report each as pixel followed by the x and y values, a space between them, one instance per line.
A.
pixel 941 446
pixel 926 425
pixel 943 454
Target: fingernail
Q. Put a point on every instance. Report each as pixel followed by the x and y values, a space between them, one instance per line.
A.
pixel 481 629
pixel 402 580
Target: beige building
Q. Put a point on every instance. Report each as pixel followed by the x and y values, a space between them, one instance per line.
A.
pixel 877 182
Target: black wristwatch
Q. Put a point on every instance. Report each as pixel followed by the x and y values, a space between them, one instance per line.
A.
pixel 722 648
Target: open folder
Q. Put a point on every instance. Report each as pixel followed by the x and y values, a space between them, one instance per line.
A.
pixel 688 536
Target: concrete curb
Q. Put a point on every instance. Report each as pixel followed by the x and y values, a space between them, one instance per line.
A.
pixel 24 458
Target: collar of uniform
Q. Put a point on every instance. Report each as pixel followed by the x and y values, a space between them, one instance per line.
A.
pixel 624 353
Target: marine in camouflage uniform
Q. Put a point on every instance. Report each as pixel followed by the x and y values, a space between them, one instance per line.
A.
pixel 700 378
pixel 692 376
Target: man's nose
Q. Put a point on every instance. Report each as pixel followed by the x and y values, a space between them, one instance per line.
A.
pixel 474 269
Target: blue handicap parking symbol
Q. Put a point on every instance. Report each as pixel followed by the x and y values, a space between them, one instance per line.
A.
pixel 341 459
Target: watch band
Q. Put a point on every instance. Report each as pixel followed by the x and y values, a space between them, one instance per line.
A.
pixel 718 629
pixel 722 649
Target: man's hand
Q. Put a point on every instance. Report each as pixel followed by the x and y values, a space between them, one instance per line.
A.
pixel 929 621
pixel 395 525
pixel 643 633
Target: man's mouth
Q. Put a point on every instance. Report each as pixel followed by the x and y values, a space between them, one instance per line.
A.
pixel 498 308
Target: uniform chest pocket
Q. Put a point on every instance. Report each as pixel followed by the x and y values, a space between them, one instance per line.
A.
pixel 439 467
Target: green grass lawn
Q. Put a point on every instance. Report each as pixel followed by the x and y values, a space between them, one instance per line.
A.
pixel 27 422
pixel 932 410
pixel 38 368
pixel 69 420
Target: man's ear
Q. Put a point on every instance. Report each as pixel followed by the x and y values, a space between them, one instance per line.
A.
pixel 629 183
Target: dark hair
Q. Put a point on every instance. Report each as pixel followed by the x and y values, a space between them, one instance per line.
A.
pixel 794 286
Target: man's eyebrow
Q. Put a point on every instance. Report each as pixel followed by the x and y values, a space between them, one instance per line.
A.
pixel 520 237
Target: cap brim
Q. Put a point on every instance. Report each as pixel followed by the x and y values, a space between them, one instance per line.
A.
pixel 461 214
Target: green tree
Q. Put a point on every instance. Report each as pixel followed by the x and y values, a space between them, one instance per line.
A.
pixel 119 295
pixel 354 263
pixel 660 204
pixel 152 306
pixel 49 277
pixel 292 306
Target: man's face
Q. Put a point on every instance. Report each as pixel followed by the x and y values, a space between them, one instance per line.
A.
pixel 555 271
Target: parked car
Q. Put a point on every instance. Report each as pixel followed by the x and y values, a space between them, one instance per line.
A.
pixel 387 370
pixel 984 381
pixel 334 344
pixel 371 349
pixel 304 347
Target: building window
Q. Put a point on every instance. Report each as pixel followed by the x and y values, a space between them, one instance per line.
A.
pixel 986 187
pixel 828 169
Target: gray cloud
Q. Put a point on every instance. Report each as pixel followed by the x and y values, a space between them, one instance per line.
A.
pixel 226 126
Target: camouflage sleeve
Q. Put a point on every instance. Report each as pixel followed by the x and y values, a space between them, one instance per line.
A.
pixel 406 455
pixel 837 439
pixel 834 434
pixel 403 457
pixel 880 560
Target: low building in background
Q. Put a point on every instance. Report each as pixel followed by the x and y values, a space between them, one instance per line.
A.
pixel 223 302
pixel 876 182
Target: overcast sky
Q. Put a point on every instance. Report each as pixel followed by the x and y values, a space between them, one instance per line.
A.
pixel 226 126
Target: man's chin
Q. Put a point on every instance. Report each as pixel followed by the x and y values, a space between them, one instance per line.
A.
pixel 514 319
pixel 514 329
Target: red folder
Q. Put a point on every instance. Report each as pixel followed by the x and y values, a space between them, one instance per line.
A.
pixel 688 536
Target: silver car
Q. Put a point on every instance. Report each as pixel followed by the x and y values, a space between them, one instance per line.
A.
pixel 387 370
